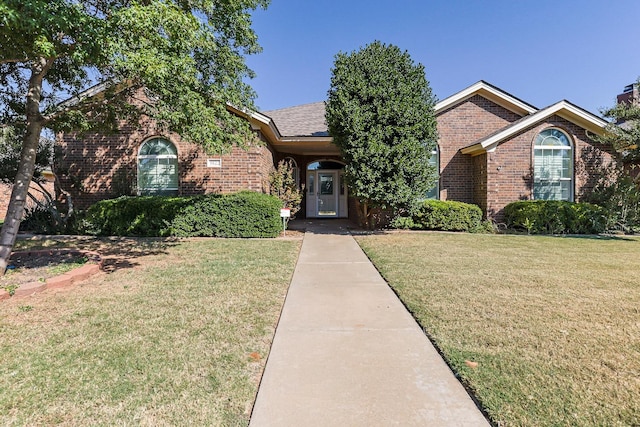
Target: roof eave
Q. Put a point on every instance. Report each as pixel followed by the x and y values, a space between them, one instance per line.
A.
pixel 259 122
pixel 473 150
pixel 307 145
pixel 311 145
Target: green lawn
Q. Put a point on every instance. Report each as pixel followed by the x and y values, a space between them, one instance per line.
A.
pixel 553 322
pixel 176 334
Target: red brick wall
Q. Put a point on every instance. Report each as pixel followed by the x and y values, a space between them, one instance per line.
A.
pixel 96 167
pixel 509 167
pixel 459 127
pixel 5 196
pixel 480 181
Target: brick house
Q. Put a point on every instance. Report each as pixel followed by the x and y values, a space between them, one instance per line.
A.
pixel 493 149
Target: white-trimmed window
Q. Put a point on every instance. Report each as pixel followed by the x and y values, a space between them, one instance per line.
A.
pixel 552 166
pixel 158 167
pixel 434 160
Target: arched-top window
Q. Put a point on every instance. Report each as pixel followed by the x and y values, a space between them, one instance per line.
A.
pixel 434 161
pixel 158 167
pixel 324 164
pixel 552 166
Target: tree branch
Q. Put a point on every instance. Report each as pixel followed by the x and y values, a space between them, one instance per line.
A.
pixel 13 60
pixel 35 200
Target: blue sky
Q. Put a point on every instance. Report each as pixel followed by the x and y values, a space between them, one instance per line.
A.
pixel 540 51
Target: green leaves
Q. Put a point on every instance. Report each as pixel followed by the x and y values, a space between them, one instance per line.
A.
pixel 380 114
pixel 188 54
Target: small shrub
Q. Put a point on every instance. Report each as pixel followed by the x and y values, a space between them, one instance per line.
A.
pixel 243 214
pixel 282 184
pixel 555 217
pixel 40 220
pixel 443 215
pixel 403 222
pixel 619 193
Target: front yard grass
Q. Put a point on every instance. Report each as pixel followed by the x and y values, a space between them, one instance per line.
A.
pixel 175 334
pixel 553 322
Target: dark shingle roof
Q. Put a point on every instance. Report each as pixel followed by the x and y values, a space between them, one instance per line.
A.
pixel 302 120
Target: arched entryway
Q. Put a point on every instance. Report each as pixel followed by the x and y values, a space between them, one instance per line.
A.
pixel 326 190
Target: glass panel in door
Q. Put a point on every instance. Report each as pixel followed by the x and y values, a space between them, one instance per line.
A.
pixel 327 197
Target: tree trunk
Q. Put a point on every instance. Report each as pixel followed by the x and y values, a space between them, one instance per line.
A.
pixel 27 162
pixel 365 213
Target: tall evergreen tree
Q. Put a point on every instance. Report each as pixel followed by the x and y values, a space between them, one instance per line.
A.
pixel 380 113
pixel 187 54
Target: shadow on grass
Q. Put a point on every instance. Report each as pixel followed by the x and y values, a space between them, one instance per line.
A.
pixel 335 226
pixel 616 237
pixel 117 252
pixel 601 237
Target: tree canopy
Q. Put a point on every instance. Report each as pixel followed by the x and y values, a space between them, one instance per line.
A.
pixel 380 113
pixel 188 55
pixel 618 187
pixel 624 131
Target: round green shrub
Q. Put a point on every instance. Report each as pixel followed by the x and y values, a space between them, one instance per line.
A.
pixel 243 214
pixel 555 217
pixel 446 215
pixel 133 216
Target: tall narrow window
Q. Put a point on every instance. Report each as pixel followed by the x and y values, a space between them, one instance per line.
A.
pixel 158 167
pixel 434 161
pixel 552 166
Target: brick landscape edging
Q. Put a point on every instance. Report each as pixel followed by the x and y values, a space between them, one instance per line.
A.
pixel 64 280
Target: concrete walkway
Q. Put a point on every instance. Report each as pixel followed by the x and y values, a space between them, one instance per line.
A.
pixel 347 353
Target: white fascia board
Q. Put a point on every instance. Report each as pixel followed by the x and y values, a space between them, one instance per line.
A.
pixel 86 94
pixel 484 89
pixel 563 109
pixel 583 118
pixel 265 123
pixel 306 138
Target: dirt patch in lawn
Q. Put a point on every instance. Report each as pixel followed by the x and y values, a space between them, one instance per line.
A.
pixel 25 267
pixel 34 270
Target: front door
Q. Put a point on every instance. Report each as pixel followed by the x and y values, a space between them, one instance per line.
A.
pixel 327 194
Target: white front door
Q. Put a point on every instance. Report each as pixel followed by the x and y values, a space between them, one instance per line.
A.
pixel 326 194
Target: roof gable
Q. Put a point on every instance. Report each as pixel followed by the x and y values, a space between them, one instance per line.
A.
pixel 489 92
pixel 563 109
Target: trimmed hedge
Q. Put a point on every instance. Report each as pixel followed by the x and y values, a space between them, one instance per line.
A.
pixel 555 217
pixel 243 214
pixel 446 215
pixel 147 216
